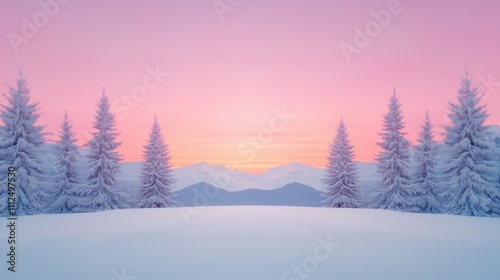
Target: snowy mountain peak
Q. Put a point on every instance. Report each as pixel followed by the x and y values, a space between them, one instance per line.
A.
pixel 203 165
pixel 290 167
pixel 232 180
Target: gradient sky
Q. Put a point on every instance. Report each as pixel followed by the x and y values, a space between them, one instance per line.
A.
pixel 226 77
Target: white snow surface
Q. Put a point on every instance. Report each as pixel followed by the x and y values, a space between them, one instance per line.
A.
pixel 232 180
pixel 254 243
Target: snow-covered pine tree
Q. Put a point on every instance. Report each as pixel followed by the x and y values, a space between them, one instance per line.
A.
pixel 68 176
pixel 425 175
pixel 156 178
pixel 101 192
pixel 394 162
pixel 21 147
pixel 341 173
pixel 470 175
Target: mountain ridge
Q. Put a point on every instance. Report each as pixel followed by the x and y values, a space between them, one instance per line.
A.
pixel 293 194
pixel 232 180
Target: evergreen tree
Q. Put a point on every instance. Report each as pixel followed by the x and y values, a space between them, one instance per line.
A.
pixel 101 192
pixel 341 174
pixel 470 174
pixel 21 146
pixel 394 162
pixel 425 174
pixel 68 177
pixel 156 177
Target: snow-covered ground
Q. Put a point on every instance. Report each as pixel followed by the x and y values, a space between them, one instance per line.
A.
pixel 254 243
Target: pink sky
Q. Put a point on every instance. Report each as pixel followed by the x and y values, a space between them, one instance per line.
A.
pixel 227 76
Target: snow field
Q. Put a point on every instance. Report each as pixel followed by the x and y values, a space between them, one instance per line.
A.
pixel 252 242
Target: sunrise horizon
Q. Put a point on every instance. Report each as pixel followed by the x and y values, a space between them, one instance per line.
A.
pixel 247 154
pixel 227 88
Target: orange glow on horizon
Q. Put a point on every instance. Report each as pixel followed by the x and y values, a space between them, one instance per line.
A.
pixel 272 72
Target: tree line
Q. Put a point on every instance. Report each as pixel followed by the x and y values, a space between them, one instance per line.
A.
pixel 464 179
pixel 459 176
pixel 67 187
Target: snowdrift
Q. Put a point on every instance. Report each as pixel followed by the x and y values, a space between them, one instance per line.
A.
pixel 254 243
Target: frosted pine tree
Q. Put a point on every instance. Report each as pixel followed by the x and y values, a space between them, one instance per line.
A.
pixel 425 174
pixel 102 192
pixel 156 177
pixel 470 175
pixel 68 176
pixel 341 173
pixel 394 162
pixel 21 146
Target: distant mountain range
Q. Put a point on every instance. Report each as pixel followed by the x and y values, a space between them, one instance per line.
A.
pixel 232 181
pixel 203 184
pixel 294 184
pixel 294 194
